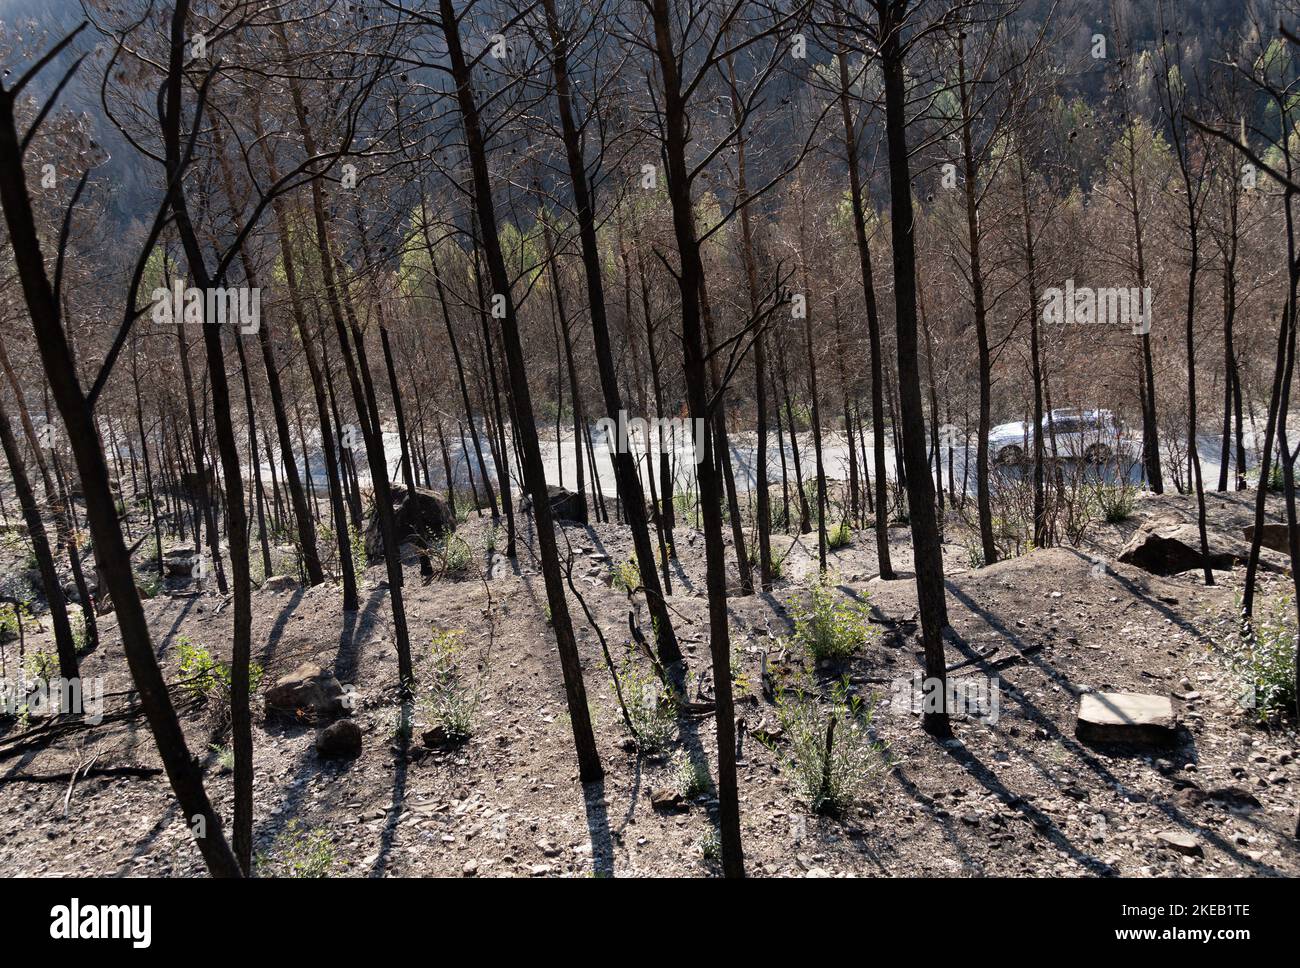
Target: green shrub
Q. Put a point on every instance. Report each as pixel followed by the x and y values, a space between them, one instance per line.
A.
pixel 455 556
pixel 686 505
pixel 225 756
pixel 627 576
pixel 204 676
pixel 450 701
pixel 150 584
pixel 839 536
pixel 358 548
pixel 298 851
pixel 43 664
pixel 710 844
pixel 10 616
pixel 857 761
pixel 1261 657
pixel 690 776
pixel 1276 477
pixel 77 620
pixel 777 517
pixel 653 718
pixel 831 627
pixel 1116 501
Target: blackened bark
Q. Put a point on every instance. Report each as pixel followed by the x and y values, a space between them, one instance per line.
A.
pixel 61 372
pixel 920 488
pixel 697 384
pixel 589 767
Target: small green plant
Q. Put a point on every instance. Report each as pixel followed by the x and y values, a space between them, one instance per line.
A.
pixel 79 641
pixel 690 776
pixel 1116 501
pixel 298 851
pixel 1261 657
pixel 396 723
pixel 830 627
pixel 204 676
pixel 974 553
pixel 43 664
pixel 149 584
pixel 777 562
pixel 357 543
pixel 710 844
pixel 778 517
pixel 1276 477
pixel 225 756
pixel 10 617
pixel 449 701
pixel 455 555
pixel 839 536
pixel 834 759
pixel 627 576
pixel 652 715
pixel 686 505
pixel 490 536
pixel 739 677
pixel 14 542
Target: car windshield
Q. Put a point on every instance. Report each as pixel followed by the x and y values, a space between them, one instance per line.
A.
pixel 1081 425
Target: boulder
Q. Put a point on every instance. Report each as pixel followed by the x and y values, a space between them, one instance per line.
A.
pixel 1274 538
pixel 1229 797
pixel 436 737
pixel 339 740
pixel 308 692
pixel 668 800
pixel 1126 717
pixel 565 505
pixel 179 562
pixel 280 583
pixel 1167 549
pixel 417 518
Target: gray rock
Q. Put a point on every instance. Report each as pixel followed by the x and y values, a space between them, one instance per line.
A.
pixel 1126 717
pixel 280 583
pixel 1167 549
pixel 180 562
pixel 1231 797
pixel 666 798
pixel 1182 842
pixel 306 693
pixel 436 737
pixel 418 518
pixel 1274 537
pixel 565 504
pixel 339 740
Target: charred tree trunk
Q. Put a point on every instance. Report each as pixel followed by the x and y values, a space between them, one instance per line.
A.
pixel 61 372
pixel 873 328
pixel 697 384
pixel 589 767
pixel 920 489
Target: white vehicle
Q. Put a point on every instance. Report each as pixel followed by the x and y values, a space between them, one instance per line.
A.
pixel 1094 436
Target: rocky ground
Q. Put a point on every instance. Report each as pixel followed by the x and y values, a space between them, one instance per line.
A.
pixel 1019 796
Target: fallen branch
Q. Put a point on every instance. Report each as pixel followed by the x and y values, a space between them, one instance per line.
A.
pixel 67 775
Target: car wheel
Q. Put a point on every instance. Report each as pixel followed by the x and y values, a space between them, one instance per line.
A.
pixel 1097 454
pixel 1011 454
